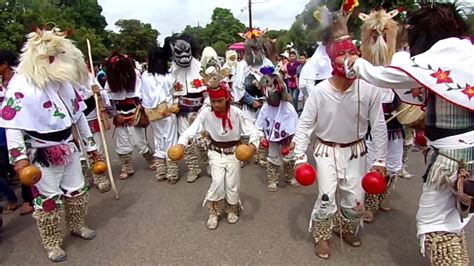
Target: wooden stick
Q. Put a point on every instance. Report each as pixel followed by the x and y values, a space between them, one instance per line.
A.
pixel 398 113
pixel 101 126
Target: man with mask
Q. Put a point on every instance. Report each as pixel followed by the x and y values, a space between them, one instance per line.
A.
pixel 30 100
pixel 437 73
pixel 189 92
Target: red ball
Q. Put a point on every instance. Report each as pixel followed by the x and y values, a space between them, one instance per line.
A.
pixel 374 183
pixel 264 143
pixel 420 138
pixel 285 151
pixel 305 174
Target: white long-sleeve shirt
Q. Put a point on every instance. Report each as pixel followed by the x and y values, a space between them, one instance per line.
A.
pixel 206 121
pixel 334 116
pixel 156 89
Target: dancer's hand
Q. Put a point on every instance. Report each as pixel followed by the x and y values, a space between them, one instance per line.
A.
pixel 95 88
pixel 20 165
pixel 382 170
pixel 254 149
pixel 94 155
pixel 352 60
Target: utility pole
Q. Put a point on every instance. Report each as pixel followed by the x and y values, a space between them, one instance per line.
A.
pixel 250 14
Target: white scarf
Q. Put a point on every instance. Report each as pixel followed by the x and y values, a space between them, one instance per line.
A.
pixel 277 122
pixel 187 79
pixel 445 69
pixel 52 109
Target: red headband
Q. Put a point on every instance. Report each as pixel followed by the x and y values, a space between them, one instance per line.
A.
pixel 337 48
pixel 220 92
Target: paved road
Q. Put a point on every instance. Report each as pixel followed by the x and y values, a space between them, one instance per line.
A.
pixel 162 223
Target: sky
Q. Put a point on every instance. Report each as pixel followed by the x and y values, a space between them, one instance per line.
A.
pixel 169 16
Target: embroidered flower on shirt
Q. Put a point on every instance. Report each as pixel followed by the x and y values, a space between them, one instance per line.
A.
pixel 469 91
pixel 178 86
pixel 19 95
pixel 12 107
pixel 16 152
pixel 442 76
pixel 196 83
pixel 49 104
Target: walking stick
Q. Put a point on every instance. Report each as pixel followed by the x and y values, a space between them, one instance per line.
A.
pixel 101 126
pixel 399 113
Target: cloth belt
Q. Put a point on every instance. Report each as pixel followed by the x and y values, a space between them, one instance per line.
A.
pixel 226 148
pixel 342 145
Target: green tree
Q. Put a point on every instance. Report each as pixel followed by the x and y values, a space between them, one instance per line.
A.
pixel 135 38
pixel 198 35
pixel 221 31
pixel 223 27
pixel 220 47
pixel 17 17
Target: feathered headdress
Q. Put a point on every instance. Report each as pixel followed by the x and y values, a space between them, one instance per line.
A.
pixel 48 56
pixel 379 36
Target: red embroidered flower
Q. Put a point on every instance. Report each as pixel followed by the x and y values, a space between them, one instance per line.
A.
pixel 15 153
pixel 416 92
pixel 469 91
pixel 8 113
pixel 19 95
pixel 197 83
pixel 49 205
pixel 47 105
pixel 178 86
pixel 442 76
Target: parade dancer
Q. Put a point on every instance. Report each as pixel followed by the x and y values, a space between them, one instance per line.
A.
pixel 224 124
pixel 437 72
pixel 277 121
pixel 188 90
pixel 245 90
pixel 340 109
pixel 87 93
pixel 124 87
pixel 230 65
pixel 379 33
pixel 158 100
pixel 43 89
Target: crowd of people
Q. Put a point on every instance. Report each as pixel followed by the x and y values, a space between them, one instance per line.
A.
pixel 263 103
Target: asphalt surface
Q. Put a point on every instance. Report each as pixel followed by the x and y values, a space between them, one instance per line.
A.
pixel 160 223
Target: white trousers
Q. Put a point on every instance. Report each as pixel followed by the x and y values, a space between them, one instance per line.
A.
pixel 225 172
pixel 184 121
pixel 394 155
pixel 61 180
pixel 98 142
pixel 274 154
pixel 129 137
pixel 165 134
pixel 338 172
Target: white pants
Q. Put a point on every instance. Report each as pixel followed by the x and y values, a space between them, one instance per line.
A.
pixel 184 121
pixel 98 142
pixel 394 155
pixel 129 137
pixel 61 180
pixel 337 171
pixel 274 154
pixel 165 134
pixel 225 172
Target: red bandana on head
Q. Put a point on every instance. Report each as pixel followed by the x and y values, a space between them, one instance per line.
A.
pixel 336 49
pixel 222 92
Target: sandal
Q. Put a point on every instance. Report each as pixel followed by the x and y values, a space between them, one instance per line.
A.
pixel 26 209
pixel 9 208
pixel 351 239
pixel 368 217
pixel 321 249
